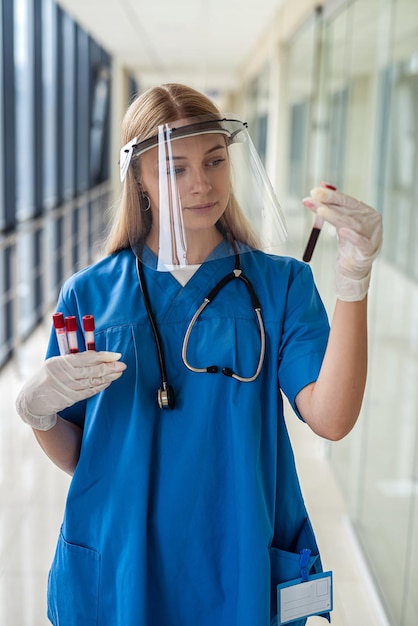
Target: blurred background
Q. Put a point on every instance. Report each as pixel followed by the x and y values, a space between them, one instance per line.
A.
pixel 330 92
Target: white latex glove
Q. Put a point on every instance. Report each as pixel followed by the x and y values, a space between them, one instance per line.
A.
pixel 64 380
pixel 359 230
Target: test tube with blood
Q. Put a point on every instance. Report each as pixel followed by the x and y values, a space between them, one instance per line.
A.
pixel 316 229
pixel 61 333
pixel 88 326
pixel 71 324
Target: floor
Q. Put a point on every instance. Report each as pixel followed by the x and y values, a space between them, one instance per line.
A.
pixel 33 490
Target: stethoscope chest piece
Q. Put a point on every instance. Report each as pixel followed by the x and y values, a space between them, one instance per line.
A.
pixel 165 397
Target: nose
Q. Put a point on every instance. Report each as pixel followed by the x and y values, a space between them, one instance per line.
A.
pixel 199 181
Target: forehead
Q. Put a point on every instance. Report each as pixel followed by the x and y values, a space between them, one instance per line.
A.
pixel 195 143
pixel 186 147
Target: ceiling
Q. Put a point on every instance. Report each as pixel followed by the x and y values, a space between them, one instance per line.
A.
pixel 202 42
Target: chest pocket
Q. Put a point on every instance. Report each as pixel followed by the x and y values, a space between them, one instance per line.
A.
pixel 123 398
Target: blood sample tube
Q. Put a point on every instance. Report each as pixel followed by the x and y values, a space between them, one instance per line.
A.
pixel 71 324
pixel 61 333
pixel 88 326
pixel 316 229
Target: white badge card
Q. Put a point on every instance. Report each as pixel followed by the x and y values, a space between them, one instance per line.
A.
pixel 297 599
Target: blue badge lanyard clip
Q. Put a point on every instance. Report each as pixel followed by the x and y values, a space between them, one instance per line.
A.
pixel 303 564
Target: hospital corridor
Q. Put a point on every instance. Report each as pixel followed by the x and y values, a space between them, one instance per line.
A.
pixel 329 90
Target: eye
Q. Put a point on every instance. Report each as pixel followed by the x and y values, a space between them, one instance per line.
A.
pixel 216 162
pixel 176 170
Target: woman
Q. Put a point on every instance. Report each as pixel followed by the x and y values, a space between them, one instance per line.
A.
pixel 185 506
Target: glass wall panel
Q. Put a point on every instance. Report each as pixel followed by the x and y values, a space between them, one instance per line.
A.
pixel 99 149
pixel 371 152
pixel 385 522
pixel 49 101
pixel 50 131
pixel 301 86
pixel 390 478
pixel 107 160
pixel 3 337
pixel 363 137
pixel 67 152
pixel 257 110
pixel 24 67
pixel 352 47
pixel 7 211
pixel 7 177
pixel 401 180
pixel 335 97
pixel 24 78
pixel 410 599
pixel 303 56
pixel 7 272
pixel 48 75
pixel 2 213
pixel 83 111
pixel 25 252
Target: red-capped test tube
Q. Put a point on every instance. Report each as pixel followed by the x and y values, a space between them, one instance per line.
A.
pixel 61 333
pixel 316 229
pixel 71 325
pixel 88 326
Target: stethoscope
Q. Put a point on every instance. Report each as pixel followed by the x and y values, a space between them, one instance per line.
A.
pixel 165 394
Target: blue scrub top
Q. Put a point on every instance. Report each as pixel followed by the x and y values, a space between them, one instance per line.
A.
pixel 190 516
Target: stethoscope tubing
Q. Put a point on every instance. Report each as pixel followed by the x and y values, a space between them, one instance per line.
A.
pixel 213 369
pixel 165 393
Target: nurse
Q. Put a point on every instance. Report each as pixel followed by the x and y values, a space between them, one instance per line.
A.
pixel 184 506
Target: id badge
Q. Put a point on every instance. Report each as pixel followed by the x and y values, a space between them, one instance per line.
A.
pixel 298 599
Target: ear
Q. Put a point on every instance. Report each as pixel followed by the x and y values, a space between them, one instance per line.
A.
pixel 140 186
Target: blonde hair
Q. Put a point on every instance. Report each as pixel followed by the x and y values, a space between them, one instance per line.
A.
pixel 156 106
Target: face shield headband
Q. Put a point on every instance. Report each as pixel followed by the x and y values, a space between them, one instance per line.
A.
pixel 203 179
pixel 166 133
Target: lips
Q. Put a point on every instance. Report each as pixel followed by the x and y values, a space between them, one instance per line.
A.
pixel 201 207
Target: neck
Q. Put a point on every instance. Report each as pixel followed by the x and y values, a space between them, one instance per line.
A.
pixel 199 245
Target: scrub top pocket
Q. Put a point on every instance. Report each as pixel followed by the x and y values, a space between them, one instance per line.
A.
pixel 73 585
pixel 285 566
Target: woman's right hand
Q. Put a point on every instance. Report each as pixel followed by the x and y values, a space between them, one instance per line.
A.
pixel 359 230
pixel 64 380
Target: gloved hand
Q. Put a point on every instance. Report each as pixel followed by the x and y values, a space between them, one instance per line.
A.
pixel 64 380
pixel 359 230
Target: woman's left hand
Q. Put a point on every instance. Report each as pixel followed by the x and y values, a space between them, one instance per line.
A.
pixel 359 230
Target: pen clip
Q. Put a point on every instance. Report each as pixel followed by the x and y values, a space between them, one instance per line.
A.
pixel 303 564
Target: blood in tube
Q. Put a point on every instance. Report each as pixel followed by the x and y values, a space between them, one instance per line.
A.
pixel 61 333
pixel 313 238
pixel 316 229
pixel 71 325
pixel 88 326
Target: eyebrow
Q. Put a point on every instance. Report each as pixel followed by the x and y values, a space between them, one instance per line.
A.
pixel 218 146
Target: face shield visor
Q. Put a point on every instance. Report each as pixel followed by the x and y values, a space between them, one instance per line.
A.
pixel 199 191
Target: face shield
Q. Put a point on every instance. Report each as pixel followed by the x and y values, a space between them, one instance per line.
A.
pixel 201 193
